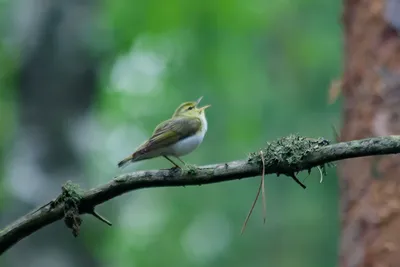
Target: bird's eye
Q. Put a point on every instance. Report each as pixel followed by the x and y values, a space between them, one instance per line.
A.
pixel 190 108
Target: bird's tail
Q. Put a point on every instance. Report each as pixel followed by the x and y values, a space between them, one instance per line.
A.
pixel 125 161
pixel 137 156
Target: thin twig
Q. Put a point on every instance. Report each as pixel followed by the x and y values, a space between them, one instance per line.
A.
pixel 335 133
pixel 51 202
pixel 98 216
pixel 297 180
pixel 263 187
pixel 251 209
pixel 305 178
pixel 321 177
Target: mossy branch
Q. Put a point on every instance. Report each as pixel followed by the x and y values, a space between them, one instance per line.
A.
pixel 287 156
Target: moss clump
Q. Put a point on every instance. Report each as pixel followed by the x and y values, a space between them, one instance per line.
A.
pixel 71 196
pixel 286 154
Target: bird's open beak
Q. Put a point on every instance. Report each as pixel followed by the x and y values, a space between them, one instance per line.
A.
pixel 198 100
pixel 203 108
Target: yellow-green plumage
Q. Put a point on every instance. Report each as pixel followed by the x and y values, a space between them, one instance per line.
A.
pixel 177 136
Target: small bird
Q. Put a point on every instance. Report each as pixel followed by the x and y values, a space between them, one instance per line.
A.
pixel 175 137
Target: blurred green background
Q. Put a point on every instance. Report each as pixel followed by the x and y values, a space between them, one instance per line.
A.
pixel 264 66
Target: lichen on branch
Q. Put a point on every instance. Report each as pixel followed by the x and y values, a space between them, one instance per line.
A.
pixel 287 155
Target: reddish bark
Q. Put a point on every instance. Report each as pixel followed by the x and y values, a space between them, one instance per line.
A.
pixel 370 187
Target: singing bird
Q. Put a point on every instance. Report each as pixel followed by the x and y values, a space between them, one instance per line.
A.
pixel 176 137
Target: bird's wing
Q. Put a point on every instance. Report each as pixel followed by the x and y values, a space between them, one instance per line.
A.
pixel 170 132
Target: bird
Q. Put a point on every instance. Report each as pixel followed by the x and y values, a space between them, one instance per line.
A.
pixel 175 137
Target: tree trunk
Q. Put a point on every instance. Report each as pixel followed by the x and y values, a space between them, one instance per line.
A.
pixel 370 187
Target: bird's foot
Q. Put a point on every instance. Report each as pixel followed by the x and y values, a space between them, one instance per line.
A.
pixel 190 168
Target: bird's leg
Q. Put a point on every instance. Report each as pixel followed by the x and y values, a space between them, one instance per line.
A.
pixel 176 165
pixel 181 160
pixel 188 167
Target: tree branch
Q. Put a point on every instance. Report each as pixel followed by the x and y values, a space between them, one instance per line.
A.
pixel 287 156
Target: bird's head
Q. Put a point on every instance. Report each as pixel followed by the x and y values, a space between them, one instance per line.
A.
pixel 190 109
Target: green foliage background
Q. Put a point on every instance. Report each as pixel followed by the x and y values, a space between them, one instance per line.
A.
pixel 265 67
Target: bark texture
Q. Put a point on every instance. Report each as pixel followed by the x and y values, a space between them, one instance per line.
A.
pixel 370 187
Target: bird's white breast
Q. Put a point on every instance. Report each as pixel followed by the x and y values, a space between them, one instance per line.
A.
pixel 187 145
